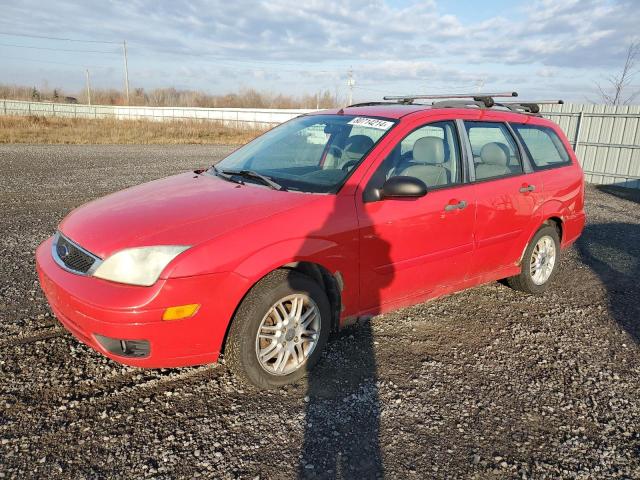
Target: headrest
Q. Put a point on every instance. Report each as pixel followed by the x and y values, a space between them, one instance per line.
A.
pixel 359 144
pixel 428 150
pixel 495 153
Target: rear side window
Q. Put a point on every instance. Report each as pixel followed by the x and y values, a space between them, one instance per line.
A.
pixel 543 146
pixel 495 153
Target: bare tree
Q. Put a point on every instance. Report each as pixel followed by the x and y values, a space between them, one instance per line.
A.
pixel 616 91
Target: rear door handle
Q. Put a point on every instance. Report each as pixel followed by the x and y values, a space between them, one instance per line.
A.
pixel 527 188
pixel 456 206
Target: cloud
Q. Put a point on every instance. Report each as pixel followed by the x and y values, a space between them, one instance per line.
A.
pixel 283 41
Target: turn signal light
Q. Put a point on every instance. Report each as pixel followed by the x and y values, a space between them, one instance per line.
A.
pixel 181 311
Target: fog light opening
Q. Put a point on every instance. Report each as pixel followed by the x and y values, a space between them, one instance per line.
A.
pixel 124 348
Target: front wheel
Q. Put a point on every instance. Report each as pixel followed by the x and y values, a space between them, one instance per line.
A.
pixel 539 262
pixel 279 330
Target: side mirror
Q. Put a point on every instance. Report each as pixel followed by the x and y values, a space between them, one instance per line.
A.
pixel 403 187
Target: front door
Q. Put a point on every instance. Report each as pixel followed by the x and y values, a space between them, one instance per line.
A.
pixel 408 247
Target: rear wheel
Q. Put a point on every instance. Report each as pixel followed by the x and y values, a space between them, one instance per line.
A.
pixel 539 263
pixel 279 330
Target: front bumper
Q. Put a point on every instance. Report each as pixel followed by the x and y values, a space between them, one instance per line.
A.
pixel 89 306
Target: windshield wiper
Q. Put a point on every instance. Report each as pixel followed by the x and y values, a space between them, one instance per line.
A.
pixel 255 175
pixel 225 176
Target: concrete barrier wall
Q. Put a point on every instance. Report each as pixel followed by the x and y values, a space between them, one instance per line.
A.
pixel 240 117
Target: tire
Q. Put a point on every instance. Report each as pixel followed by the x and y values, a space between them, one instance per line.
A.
pixel 259 311
pixel 527 281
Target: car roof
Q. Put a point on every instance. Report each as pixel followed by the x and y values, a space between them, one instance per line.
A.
pixel 395 111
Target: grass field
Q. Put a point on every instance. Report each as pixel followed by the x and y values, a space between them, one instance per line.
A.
pixel 55 130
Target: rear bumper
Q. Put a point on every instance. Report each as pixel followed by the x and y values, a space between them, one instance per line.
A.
pixel 572 228
pixel 89 306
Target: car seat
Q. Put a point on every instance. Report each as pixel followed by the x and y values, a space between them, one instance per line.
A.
pixel 428 162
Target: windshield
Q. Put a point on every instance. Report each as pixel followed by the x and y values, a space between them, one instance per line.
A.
pixel 313 153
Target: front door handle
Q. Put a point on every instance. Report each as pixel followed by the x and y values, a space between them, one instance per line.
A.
pixel 456 206
pixel 527 188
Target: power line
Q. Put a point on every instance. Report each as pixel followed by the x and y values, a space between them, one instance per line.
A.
pixel 370 89
pixel 208 57
pixel 54 63
pixel 57 49
pixel 200 55
pixel 55 38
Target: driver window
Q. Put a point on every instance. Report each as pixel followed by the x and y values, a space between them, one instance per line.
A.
pixel 431 153
pixel 303 149
pixel 356 145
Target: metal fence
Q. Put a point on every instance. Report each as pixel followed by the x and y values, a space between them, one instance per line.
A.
pixel 606 138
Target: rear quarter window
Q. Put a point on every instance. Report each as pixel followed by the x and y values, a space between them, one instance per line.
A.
pixel 543 145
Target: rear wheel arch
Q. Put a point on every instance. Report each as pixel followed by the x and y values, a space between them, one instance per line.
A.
pixel 525 281
pixel 554 221
pixel 557 223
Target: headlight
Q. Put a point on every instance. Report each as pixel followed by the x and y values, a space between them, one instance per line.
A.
pixel 138 266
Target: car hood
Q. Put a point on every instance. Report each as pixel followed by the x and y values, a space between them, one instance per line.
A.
pixel 185 209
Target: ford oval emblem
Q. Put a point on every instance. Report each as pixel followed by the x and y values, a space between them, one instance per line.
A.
pixel 63 251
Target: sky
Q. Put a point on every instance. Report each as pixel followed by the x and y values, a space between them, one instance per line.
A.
pixel 543 49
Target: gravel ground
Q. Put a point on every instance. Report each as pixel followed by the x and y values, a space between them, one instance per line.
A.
pixel 487 383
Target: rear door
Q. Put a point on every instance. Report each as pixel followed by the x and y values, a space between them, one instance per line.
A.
pixel 508 195
pixel 408 247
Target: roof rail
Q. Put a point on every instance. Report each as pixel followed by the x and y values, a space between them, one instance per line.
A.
pixel 372 104
pixel 528 106
pixel 463 104
pixel 486 98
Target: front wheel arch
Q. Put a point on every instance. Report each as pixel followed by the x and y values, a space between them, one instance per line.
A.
pixel 329 282
pixel 240 345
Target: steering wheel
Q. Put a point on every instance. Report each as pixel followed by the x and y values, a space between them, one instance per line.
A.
pixel 349 165
pixel 336 151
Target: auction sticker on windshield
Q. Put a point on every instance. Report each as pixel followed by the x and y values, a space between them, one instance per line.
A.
pixel 371 122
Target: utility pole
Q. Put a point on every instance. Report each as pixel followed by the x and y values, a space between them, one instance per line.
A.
pixel 126 69
pixel 350 83
pixel 88 87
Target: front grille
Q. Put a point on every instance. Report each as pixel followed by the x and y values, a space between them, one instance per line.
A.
pixel 72 256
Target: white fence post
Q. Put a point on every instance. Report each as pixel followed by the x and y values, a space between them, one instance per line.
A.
pixel 576 142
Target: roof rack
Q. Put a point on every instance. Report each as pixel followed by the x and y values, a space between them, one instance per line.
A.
pixel 532 106
pixel 464 100
pixel 485 98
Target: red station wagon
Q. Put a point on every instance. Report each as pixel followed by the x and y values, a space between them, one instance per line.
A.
pixel 328 218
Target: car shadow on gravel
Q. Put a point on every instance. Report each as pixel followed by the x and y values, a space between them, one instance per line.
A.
pixel 342 411
pixel 625 193
pixel 612 251
pixel 342 414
